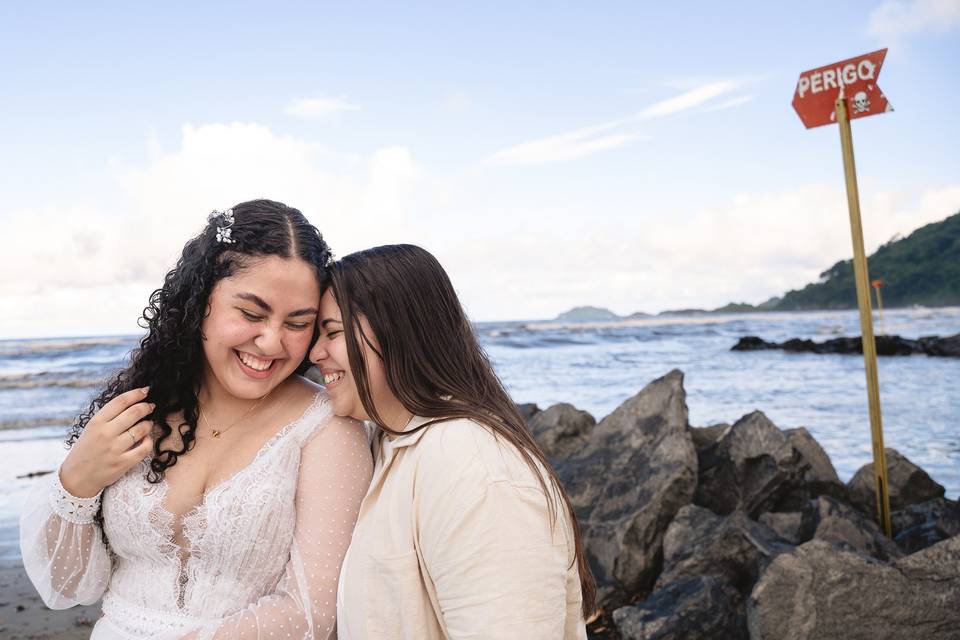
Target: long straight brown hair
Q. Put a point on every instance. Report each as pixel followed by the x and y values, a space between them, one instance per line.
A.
pixel 433 362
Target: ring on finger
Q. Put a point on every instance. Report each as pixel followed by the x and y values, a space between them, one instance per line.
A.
pixel 132 437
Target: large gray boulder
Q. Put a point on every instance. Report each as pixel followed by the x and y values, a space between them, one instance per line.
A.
pixel 637 470
pixel 813 474
pixel 817 467
pixel 788 525
pixel 820 592
pixel 692 608
pixel 561 429
pixel 755 467
pixel 919 526
pixel 843 526
pixel 745 469
pixel 907 484
pixel 733 549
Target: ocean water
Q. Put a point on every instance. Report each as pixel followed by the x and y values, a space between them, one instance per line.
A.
pixel 45 383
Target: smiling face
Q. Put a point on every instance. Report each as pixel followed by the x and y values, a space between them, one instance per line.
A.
pixel 259 326
pixel 330 355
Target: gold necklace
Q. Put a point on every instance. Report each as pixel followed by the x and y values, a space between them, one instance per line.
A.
pixel 218 432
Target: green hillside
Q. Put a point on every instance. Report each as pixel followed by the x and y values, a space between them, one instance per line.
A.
pixel 923 268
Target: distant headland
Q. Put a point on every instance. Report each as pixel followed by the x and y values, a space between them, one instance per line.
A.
pixel 921 269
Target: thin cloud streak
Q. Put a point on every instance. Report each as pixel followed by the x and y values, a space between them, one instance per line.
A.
pixel 731 103
pixel 687 100
pixel 318 108
pixel 588 140
pixel 565 146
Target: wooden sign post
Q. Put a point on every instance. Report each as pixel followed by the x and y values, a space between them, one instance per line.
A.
pixel 837 93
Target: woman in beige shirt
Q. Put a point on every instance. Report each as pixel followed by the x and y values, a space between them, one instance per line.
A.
pixel 465 531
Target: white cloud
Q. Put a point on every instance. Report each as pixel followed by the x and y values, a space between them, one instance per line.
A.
pixel 897 18
pixel 601 137
pixel 84 269
pixel 113 259
pixel 755 246
pixel 318 108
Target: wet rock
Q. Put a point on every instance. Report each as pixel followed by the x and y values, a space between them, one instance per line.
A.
pixel 919 526
pixel 753 343
pixel 561 429
pixel 886 345
pixel 637 470
pixel 824 593
pixel 693 608
pixel 847 528
pixel 733 549
pixel 948 347
pixel 908 484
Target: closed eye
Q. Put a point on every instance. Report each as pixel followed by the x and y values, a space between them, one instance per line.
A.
pixel 299 326
pixel 252 317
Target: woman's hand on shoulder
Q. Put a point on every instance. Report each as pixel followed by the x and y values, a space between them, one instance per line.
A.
pixel 114 441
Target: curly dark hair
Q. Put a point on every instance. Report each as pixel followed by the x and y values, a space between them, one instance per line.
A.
pixel 169 358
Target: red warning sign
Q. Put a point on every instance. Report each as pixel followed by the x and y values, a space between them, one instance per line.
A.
pixel 817 90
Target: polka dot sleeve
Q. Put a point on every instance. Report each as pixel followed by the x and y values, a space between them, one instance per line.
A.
pixel 335 470
pixel 63 552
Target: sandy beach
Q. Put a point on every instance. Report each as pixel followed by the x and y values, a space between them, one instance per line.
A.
pixel 23 615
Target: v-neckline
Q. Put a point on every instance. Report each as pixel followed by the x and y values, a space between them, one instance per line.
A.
pixel 204 498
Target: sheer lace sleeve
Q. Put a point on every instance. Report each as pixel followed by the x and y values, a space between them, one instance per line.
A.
pixel 335 470
pixel 63 550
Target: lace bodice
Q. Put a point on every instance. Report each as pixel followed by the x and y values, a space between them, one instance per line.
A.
pixel 262 550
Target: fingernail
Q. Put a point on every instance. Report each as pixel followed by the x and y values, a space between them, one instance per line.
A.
pixel 145 390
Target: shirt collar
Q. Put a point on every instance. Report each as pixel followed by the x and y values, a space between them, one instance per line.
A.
pixel 405 440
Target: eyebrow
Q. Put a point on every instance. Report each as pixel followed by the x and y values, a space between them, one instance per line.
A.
pixel 260 302
pixel 329 321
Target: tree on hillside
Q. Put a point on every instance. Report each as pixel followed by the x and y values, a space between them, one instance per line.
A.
pixel 923 268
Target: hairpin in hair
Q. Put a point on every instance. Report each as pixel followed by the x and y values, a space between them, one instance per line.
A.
pixel 226 219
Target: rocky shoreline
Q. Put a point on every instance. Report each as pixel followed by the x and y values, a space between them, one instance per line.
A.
pixel 731 531
pixel 745 530
pixel 948 347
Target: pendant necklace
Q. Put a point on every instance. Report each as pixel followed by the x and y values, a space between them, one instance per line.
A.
pixel 217 432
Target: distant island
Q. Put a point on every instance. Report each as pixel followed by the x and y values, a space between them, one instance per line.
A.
pixel 921 269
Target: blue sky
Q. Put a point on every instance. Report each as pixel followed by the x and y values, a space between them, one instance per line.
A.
pixel 627 155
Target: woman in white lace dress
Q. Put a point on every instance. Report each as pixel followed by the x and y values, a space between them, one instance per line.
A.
pixel 209 491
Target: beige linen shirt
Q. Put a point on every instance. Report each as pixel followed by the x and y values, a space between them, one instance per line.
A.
pixel 454 541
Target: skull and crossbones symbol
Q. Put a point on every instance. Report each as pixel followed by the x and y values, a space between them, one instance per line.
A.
pixel 860 102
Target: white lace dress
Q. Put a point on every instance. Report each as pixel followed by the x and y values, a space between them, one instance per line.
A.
pixel 264 547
